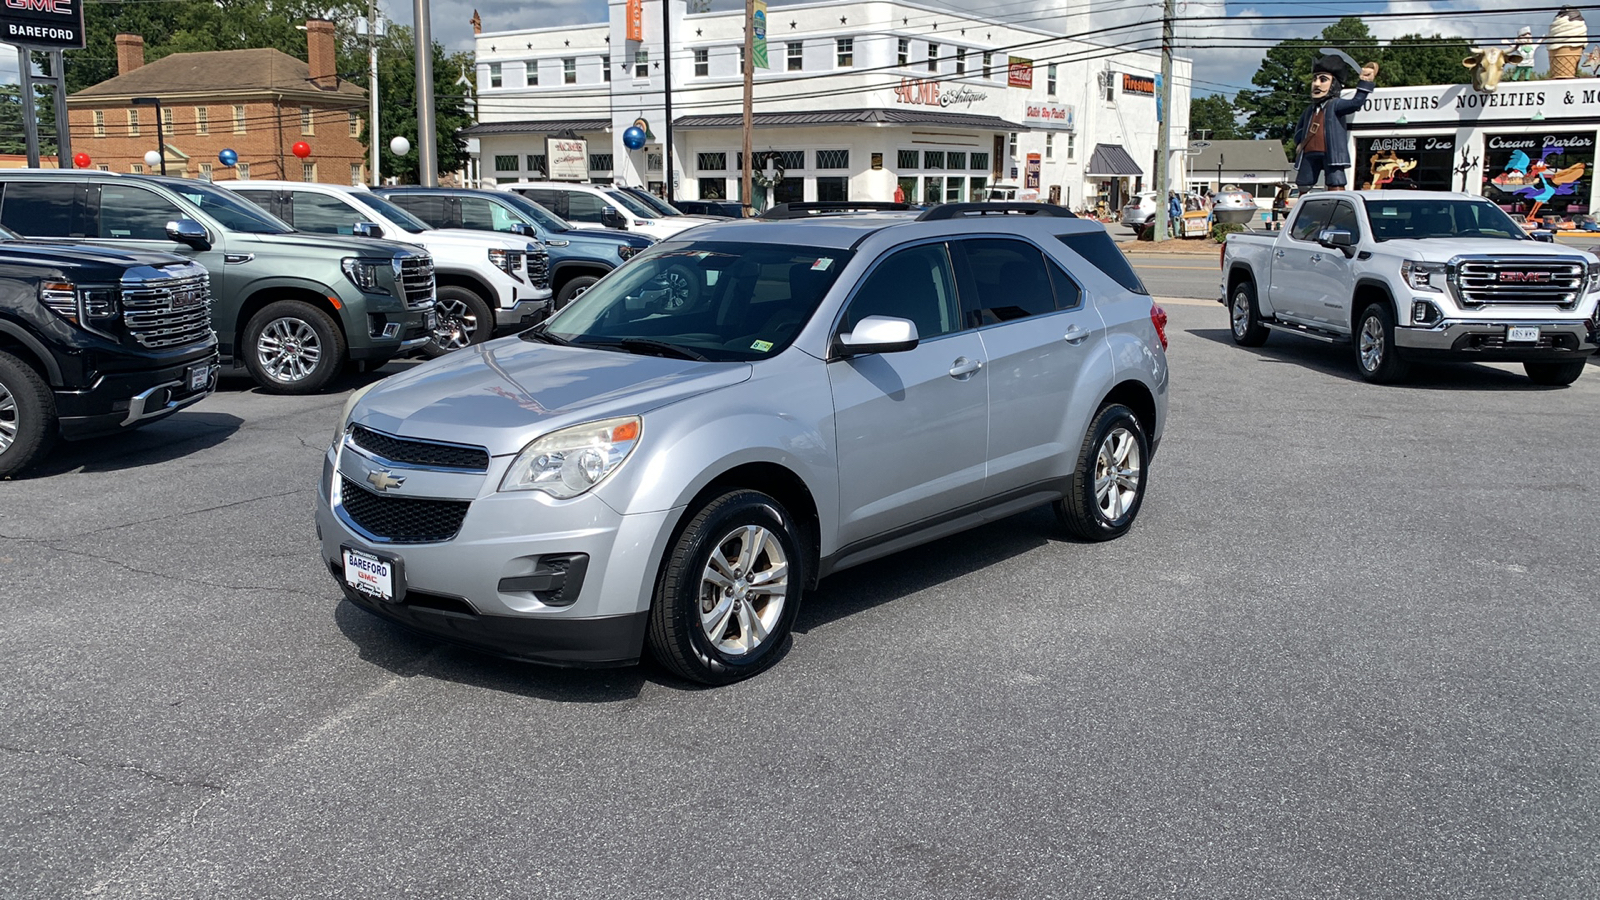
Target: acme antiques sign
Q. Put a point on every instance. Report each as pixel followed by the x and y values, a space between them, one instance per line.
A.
pixel 925 92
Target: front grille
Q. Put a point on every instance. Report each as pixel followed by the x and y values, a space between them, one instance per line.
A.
pixel 420 453
pixel 1541 281
pixel 539 267
pixel 1546 341
pixel 416 281
pixel 170 312
pixel 402 520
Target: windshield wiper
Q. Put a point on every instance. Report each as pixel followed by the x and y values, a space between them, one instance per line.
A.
pixel 538 333
pixel 644 346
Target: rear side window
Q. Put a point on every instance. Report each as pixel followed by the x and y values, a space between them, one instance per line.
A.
pixel 583 208
pixel 261 198
pixel 554 201
pixel 430 209
pixel 1308 224
pixel 1010 281
pixel 136 214
pixel 1098 250
pixel 481 215
pixel 323 215
pixel 40 209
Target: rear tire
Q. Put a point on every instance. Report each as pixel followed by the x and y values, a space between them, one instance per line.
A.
pixel 292 347
pixel 27 415
pixel 729 592
pixel 1376 358
pixel 1109 481
pixel 1245 317
pixel 464 319
pixel 1555 374
pixel 571 290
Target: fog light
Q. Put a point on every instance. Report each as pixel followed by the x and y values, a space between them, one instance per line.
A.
pixel 1424 313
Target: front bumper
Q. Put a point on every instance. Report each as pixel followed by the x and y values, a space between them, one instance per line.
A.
pixel 129 399
pixel 487 588
pixel 1486 340
pixel 524 313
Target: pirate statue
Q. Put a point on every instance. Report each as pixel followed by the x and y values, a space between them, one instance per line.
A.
pixel 1322 138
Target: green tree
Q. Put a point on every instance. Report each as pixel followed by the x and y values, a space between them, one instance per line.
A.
pixel 1284 77
pixel 12 137
pixel 1213 116
pixel 1412 59
pixel 397 104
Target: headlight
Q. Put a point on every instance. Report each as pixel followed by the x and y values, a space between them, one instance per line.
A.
pixel 80 306
pixel 507 261
pixel 1594 278
pixel 62 297
pixel 350 407
pixel 626 252
pixel 364 273
pixel 1420 275
pixel 568 462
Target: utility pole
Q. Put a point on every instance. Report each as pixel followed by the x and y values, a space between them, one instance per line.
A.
pixel 373 133
pixel 1164 130
pixel 427 140
pixel 30 121
pixel 666 52
pixel 58 71
pixel 749 94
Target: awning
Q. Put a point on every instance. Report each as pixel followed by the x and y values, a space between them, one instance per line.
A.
pixel 530 126
pixel 1110 160
pixel 850 117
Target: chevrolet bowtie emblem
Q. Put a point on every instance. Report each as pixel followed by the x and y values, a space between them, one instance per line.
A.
pixel 382 479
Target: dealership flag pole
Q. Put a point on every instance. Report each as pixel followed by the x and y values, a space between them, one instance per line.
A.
pixel 749 78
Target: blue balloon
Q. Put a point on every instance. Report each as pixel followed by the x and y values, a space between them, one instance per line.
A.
pixel 227 157
pixel 633 138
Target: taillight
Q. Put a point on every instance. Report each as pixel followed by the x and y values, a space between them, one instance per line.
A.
pixel 1158 318
pixel 1222 253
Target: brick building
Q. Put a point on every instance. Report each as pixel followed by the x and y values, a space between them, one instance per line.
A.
pixel 258 103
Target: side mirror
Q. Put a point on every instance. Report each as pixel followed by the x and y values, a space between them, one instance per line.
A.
pixel 1337 238
pixel 367 230
pixel 188 231
pixel 610 218
pixel 877 334
pixel 525 230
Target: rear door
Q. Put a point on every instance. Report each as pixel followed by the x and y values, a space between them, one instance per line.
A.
pixel 911 427
pixel 433 209
pixel 270 199
pixel 46 208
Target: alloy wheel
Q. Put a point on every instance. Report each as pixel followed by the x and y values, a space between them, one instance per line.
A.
pixel 9 419
pixel 1371 343
pixel 1241 313
pixel 743 590
pixel 1116 473
pixel 457 324
pixel 289 350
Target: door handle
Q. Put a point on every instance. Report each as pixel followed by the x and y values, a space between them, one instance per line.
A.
pixel 1279 254
pixel 1075 335
pixel 964 368
pixel 557 243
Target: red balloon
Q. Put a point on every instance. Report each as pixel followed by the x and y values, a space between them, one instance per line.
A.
pixel 301 149
pixel 81 160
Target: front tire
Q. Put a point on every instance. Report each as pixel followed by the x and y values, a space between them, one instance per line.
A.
pixel 464 319
pixel 1376 358
pixel 292 347
pixel 1245 317
pixel 571 290
pixel 1555 374
pixel 728 595
pixel 1108 484
pixel 27 415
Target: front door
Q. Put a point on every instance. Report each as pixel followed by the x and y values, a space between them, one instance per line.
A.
pixel 133 215
pixel 911 427
pixel 1329 283
pixel 1295 261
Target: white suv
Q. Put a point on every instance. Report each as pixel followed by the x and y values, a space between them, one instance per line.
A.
pixel 602 206
pixel 485 280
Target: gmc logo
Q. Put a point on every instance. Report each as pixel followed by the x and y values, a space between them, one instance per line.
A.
pixel 1527 277
pixel 64 7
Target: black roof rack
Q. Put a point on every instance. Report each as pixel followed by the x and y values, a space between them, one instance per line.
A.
pixel 807 210
pixel 954 210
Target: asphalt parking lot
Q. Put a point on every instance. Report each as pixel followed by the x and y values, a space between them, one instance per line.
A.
pixel 1348 651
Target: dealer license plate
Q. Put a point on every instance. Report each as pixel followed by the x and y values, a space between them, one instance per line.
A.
pixel 198 377
pixel 433 321
pixel 369 574
pixel 1522 334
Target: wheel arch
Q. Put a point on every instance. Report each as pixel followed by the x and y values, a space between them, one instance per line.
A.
pixel 468 281
pixel 776 481
pixel 1240 272
pixel 259 300
pixel 566 270
pixel 1137 396
pixel 19 343
pixel 1367 292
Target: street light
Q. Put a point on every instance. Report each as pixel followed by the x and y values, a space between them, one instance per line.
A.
pixel 161 137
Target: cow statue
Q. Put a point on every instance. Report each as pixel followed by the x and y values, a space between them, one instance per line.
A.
pixel 1488 64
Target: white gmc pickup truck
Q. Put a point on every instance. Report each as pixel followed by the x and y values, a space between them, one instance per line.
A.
pixel 1406 275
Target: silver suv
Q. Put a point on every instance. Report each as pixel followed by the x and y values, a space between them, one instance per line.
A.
pixel 673 468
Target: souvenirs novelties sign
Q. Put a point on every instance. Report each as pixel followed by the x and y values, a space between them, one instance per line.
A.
pixel 43 24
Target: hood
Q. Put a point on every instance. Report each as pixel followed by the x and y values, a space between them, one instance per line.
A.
pixel 608 236
pixel 1442 249
pixel 503 394
pixel 355 246
pixel 67 252
pixel 463 237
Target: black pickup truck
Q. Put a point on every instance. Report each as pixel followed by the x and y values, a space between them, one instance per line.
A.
pixel 95 340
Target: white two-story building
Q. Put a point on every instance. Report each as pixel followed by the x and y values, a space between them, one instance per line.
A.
pixel 859 100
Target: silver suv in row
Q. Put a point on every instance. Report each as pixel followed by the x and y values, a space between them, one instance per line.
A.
pixel 671 470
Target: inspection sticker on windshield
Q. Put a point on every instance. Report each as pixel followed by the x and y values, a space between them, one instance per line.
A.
pixel 822 264
pixel 762 346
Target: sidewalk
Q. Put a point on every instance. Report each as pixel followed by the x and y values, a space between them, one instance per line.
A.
pixel 1194 246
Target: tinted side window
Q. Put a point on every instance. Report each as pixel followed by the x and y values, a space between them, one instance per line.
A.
pixel 263 199
pixel 1344 216
pixel 323 215
pixel 584 208
pixel 427 208
pixel 1011 281
pixel 483 215
pixel 1102 253
pixel 134 213
pixel 915 284
pixel 1068 294
pixel 41 209
pixel 554 201
pixel 1309 222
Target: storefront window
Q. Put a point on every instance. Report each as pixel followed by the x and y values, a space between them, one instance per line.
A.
pixel 954 190
pixel 933 159
pixel 908 187
pixel 956 160
pixel 1538 173
pixel 907 159
pixel 978 186
pixel 713 188
pixel 789 190
pixel 980 162
pixel 1420 162
pixel 933 188
pixel 832 188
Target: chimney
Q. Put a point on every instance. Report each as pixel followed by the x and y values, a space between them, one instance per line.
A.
pixel 320 54
pixel 130 53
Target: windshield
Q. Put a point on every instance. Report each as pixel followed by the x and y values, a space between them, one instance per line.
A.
pixel 233 212
pixel 1394 220
pixel 535 213
pixel 395 214
pixel 656 203
pixel 714 300
pixel 633 204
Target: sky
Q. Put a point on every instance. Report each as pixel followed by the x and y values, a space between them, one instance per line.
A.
pixel 1218 69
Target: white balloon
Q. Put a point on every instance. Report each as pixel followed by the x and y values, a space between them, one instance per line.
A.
pixel 152 158
pixel 399 146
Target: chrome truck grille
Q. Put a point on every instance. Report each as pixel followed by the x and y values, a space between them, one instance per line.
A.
pixel 1518 281
pixel 169 312
pixel 416 281
pixel 539 267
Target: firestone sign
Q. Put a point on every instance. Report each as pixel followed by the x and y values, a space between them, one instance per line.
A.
pixel 44 24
